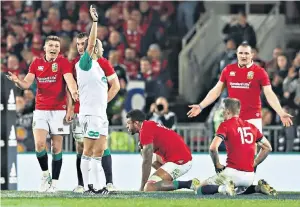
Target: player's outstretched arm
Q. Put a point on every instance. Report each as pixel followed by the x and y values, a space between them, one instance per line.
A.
pixel 22 84
pixel 264 151
pixel 114 87
pixel 93 33
pixel 212 95
pixel 214 154
pixel 147 154
pixel 275 104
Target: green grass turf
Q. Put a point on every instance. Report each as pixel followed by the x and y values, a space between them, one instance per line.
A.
pixel 156 199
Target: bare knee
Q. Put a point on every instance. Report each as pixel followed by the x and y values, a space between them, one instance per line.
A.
pixel 40 137
pixel 40 145
pixel 149 187
pixel 56 144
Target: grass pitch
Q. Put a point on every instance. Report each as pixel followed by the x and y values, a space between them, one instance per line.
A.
pixel 155 199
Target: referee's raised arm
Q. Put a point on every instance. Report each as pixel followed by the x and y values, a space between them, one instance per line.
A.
pixel 93 34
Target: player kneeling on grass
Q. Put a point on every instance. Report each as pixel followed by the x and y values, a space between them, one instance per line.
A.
pixel 175 158
pixel 78 136
pixel 240 138
pixel 93 79
pixel 52 73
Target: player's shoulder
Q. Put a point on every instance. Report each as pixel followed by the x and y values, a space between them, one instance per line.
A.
pixel 258 68
pixel 232 66
pixel 148 125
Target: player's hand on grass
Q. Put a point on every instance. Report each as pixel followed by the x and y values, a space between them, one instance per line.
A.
pixel 93 13
pixel 195 110
pixel 286 119
pixel 12 77
pixel 219 168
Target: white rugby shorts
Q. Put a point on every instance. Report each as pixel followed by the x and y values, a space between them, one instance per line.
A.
pixel 257 123
pixel 77 130
pixel 176 170
pixel 239 178
pixel 93 126
pixel 52 121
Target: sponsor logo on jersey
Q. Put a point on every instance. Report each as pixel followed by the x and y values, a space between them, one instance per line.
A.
pixel 40 68
pixel 12 139
pixel 13 174
pixel 54 67
pixel 250 75
pixel 11 102
pixel 50 79
pixel 104 79
pixel 93 134
pixel 240 85
pixel 232 73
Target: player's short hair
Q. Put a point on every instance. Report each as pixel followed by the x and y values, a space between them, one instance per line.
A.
pixel 245 44
pixel 136 115
pixel 233 105
pixel 81 35
pixel 52 38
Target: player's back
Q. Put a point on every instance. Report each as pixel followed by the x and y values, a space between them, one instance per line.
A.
pixel 167 143
pixel 240 138
pixel 246 84
pixel 93 87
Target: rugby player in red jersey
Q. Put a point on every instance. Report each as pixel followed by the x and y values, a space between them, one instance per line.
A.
pixel 52 73
pixel 78 136
pixel 245 81
pixel 240 140
pixel 174 158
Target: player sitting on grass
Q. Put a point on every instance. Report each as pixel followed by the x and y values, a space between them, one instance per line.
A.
pixel 174 156
pixel 240 138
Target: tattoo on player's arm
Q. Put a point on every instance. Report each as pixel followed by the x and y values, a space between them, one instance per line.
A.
pixel 214 156
pixel 147 154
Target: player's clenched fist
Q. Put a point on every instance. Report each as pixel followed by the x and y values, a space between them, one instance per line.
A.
pixel 195 110
pixel 93 13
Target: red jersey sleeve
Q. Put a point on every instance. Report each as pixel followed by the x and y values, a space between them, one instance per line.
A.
pixel 32 67
pixel 66 66
pixel 222 131
pixel 107 68
pixel 223 76
pixel 264 79
pixel 146 134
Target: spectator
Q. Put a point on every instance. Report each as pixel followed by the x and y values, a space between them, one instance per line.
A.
pixel 84 23
pixel 133 36
pixel 271 65
pixel 185 15
pixel 256 59
pixel 37 46
pixel 113 21
pixel 131 63
pixel 67 29
pixel 158 63
pixel 13 46
pixel 54 19
pixel 115 106
pixel 13 64
pixel 103 34
pixel 228 56
pixel 239 30
pixel 115 43
pixel 159 112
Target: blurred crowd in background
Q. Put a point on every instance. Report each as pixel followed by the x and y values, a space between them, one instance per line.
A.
pixel 142 41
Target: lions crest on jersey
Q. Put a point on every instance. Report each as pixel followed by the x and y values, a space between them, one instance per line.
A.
pixel 250 75
pixel 54 67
